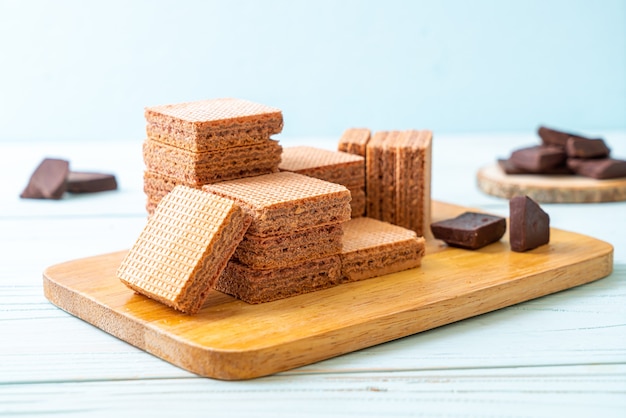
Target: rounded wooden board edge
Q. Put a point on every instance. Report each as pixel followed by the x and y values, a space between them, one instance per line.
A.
pixel 492 180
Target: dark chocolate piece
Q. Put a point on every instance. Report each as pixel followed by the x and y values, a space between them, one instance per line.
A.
pixel 470 230
pixel 598 168
pixel 586 148
pixel 529 225
pixel 48 180
pixel 509 168
pixel 538 159
pixel 552 137
pixel 87 182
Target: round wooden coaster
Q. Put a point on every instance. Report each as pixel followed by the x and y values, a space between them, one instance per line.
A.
pixel 550 188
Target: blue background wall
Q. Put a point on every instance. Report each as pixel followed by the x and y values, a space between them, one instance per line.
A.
pixel 86 69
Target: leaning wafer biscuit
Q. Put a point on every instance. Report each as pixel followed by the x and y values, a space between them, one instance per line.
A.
pixel 259 286
pixel 285 202
pixel 334 166
pixel 373 248
pixel 354 141
pixel 184 247
pixel 192 125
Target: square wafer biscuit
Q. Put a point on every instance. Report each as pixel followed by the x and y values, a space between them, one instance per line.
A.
pixel 193 125
pixel 373 248
pixel 259 286
pixel 334 166
pixel 198 168
pixel 184 247
pixel 354 141
pixel 285 202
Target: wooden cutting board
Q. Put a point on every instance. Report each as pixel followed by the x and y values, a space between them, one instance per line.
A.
pixel 492 180
pixel 229 339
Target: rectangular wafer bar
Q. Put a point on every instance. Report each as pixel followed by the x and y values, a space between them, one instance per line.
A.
pixel 413 181
pixel 373 248
pixel 184 247
pixel 209 125
pixel 285 202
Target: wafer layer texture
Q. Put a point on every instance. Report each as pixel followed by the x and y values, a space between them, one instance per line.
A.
pixel 276 251
pixel 208 167
pixel 259 286
pixel 184 247
pixel 285 202
pixel 214 124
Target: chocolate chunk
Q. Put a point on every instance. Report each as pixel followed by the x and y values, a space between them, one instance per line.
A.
pixel 586 148
pixel 538 159
pixel 87 182
pixel 598 168
pixel 509 168
pixel 552 137
pixel 470 230
pixel 529 225
pixel 48 180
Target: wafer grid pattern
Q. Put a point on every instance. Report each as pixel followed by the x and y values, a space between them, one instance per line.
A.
pixel 268 190
pixel 170 249
pixel 211 110
pixel 361 233
pixel 304 158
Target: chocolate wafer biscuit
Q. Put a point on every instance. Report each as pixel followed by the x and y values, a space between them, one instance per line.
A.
pixel 259 286
pixel 413 181
pixel 184 247
pixel 354 141
pixel 334 166
pixel 197 168
pixel 210 125
pixel 373 248
pixel 285 202
pixel 276 251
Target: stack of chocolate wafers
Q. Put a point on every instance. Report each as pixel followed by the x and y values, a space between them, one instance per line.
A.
pixel 293 243
pixel 334 166
pixel 203 142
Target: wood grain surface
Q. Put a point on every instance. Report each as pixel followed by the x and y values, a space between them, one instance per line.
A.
pixel 229 339
pixel 492 180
